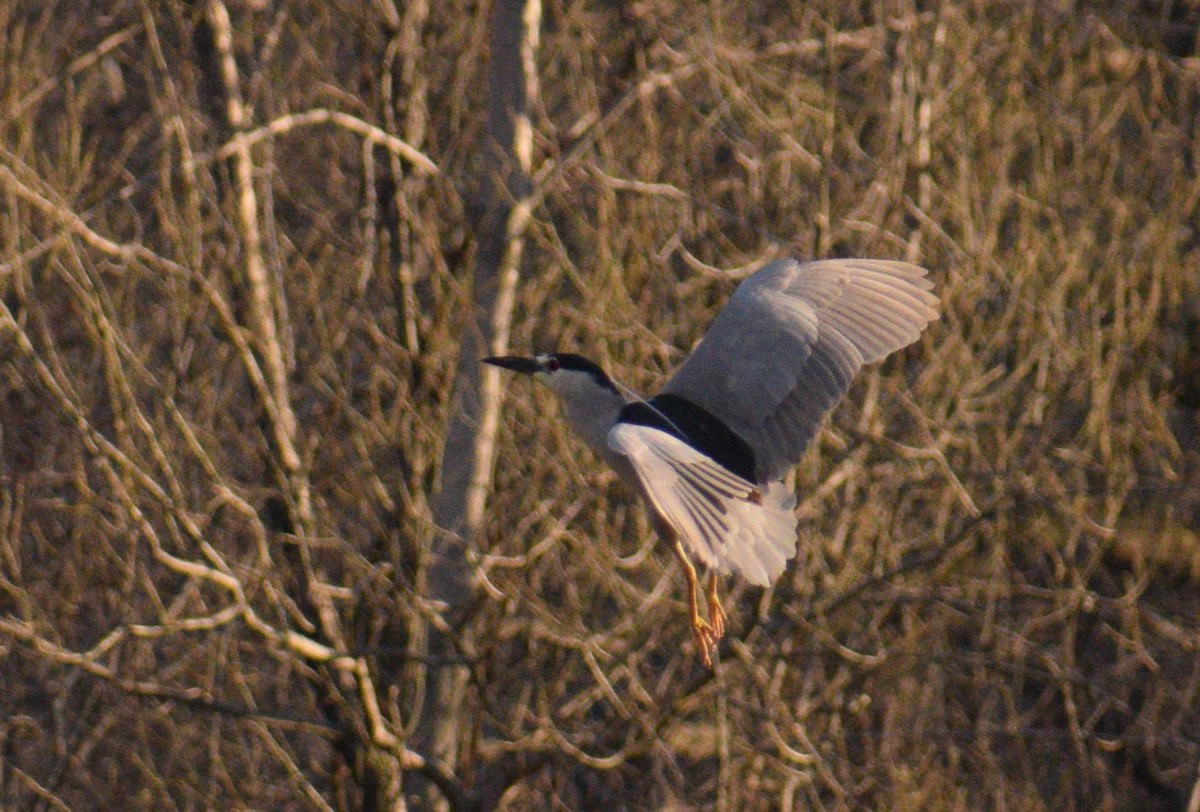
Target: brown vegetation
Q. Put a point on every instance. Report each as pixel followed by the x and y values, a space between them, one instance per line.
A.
pixel 235 275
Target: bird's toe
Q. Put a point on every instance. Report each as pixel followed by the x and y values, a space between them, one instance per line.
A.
pixel 707 638
pixel 718 618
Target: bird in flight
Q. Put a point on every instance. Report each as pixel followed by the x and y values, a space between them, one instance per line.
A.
pixel 709 452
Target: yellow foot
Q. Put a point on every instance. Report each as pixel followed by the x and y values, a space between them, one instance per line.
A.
pixel 717 618
pixel 716 613
pixel 707 638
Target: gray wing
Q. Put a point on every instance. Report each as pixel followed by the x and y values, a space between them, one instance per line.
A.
pixel 728 523
pixel 784 349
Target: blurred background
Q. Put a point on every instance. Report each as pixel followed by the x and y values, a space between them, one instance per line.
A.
pixel 270 539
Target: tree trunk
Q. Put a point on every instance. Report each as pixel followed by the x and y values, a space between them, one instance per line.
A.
pixel 469 452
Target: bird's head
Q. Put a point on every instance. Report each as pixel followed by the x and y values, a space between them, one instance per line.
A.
pixel 571 376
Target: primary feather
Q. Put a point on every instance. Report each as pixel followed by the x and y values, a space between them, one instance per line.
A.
pixel 784 349
pixel 728 523
pixel 779 355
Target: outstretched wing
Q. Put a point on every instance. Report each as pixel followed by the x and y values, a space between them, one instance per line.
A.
pixel 729 524
pixel 784 349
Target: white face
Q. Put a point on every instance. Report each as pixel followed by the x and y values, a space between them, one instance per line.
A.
pixel 573 378
pixel 569 384
pixel 548 364
pixel 589 406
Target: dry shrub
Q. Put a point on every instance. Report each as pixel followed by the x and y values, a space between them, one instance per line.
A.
pixel 994 603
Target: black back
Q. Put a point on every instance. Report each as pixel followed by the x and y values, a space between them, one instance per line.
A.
pixel 689 422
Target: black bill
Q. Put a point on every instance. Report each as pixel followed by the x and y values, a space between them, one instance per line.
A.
pixel 515 363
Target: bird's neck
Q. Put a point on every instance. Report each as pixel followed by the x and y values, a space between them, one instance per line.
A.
pixel 591 414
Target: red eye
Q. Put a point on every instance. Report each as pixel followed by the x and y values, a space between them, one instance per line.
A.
pixel 552 364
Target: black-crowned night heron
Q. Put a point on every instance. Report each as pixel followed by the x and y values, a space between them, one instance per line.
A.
pixel 709 452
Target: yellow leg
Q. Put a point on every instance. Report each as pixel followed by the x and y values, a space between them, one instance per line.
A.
pixel 716 613
pixel 706 635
